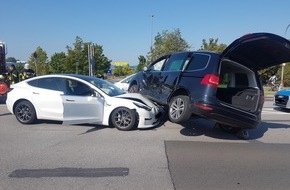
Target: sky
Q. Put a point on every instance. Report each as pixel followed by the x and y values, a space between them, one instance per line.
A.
pixel 124 27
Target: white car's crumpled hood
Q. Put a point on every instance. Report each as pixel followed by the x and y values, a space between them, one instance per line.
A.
pixel 136 97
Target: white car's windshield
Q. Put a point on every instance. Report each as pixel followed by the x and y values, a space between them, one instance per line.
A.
pixel 105 86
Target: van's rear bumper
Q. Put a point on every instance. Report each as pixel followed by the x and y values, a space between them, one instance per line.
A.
pixel 227 115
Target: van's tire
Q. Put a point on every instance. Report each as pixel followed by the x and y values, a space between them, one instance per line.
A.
pixel 179 109
pixel 133 88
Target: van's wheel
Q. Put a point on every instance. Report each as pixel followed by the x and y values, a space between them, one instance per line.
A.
pixel 229 129
pixel 133 88
pixel 179 109
pixel 123 119
pixel 24 112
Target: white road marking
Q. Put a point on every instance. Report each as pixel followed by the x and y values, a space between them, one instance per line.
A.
pixel 272 111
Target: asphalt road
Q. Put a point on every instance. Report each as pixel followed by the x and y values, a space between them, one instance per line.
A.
pixel 48 155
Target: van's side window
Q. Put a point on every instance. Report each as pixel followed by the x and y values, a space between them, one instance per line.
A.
pixel 176 62
pixel 158 66
pixel 198 62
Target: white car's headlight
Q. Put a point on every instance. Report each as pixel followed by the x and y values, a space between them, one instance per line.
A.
pixel 139 105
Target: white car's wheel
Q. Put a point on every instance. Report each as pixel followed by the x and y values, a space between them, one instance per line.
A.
pixel 123 119
pixel 25 112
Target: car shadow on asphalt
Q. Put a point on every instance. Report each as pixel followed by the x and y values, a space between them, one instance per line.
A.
pixel 265 126
pixel 94 128
pixel 4 114
pixel 282 109
pixel 199 127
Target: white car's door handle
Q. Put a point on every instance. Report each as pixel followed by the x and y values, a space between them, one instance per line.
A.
pixel 68 100
pixel 35 93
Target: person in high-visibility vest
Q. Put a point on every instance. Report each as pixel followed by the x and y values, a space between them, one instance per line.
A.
pixel 27 72
pixel 13 74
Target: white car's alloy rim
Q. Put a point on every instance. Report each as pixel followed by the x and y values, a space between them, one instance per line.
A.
pixel 23 113
pixel 123 118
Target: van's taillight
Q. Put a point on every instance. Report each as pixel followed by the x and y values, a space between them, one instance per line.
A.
pixel 211 79
pixel 262 100
pixel 204 107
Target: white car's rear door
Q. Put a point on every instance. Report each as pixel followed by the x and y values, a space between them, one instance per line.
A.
pixel 48 103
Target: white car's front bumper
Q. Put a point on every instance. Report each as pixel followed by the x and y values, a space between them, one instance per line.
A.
pixel 148 119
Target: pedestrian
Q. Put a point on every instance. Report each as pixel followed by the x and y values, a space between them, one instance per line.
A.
pixel 27 72
pixel 273 80
pixel 13 74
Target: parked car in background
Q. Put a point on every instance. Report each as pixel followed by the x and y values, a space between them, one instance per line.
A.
pixel 282 99
pixel 76 99
pixel 124 83
pixel 223 87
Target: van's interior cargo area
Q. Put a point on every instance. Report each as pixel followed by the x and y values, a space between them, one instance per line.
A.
pixel 238 86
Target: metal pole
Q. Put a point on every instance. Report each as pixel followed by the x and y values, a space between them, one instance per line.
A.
pixel 287 29
pixel 93 63
pixel 282 77
pixel 151 37
pixel 89 59
pixel 35 67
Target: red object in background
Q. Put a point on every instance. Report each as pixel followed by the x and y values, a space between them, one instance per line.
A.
pixel 3 88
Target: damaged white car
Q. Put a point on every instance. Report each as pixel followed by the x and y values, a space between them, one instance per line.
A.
pixel 78 99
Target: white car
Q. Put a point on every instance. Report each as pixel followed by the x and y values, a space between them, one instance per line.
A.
pixel 76 99
pixel 124 83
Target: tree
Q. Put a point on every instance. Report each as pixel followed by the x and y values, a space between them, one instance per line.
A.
pixel 265 74
pixel 142 63
pixel 11 59
pixel 127 70
pixel 286 76
pixel 213 45
pixel 57 63
pixel 102 63
pixel 77 58
pixel 39 65
pixel 166 43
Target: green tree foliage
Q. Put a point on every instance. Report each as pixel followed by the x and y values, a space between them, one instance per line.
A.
pixel 265 74
pixel 127 70
pixel 142 63
pixel 40 65
pixel 102 63
pixel 123 70
pixel 77 58
pixel 212 45
pixel 286 75
pixel 118 71
pixel 57 62
pixel 11 59
pixel 166 43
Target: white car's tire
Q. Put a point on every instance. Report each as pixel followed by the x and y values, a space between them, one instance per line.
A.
pixel 123 119
pixel 24 112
